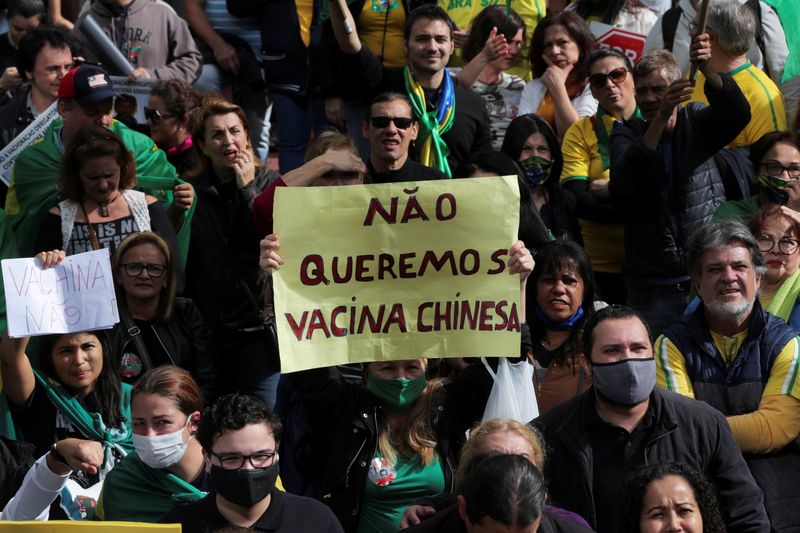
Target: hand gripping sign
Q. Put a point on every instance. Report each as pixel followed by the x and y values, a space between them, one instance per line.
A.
pixel 396 271
pixel 77 295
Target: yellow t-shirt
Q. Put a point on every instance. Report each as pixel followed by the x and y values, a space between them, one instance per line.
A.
pixel 530 11
pixel 377 15
pixel 767 109
pixel 305 13
pixel 777 420
pixel 604 243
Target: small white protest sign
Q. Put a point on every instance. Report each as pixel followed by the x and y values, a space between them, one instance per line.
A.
pixel 77 295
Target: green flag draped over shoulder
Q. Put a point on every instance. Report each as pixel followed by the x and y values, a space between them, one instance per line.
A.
pixel 789 14
pixel 134 492
pixel 33 183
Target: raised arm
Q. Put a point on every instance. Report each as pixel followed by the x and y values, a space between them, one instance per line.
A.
pixel 344 27
pixel 16 370
pixel 494 47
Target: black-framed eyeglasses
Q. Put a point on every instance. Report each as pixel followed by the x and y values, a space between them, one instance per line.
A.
pixel 401 123
pixel 154 115
pixel 776 169
pixel 236 461
pixel 617 75
pixel 786 245
pixel 135 269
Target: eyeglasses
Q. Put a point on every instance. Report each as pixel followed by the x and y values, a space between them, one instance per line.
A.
pixel 154 115
pixel 775 168
pixel 786 245
pixel 401 123
pixel 617 75
pixel 135 269
pixel 236 461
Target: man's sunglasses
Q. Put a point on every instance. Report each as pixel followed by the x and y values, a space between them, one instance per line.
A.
pixel 401 123
pixel 154 115
pixel 617 75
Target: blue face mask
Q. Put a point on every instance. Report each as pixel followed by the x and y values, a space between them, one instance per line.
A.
pixel 537 169
pixel 774 187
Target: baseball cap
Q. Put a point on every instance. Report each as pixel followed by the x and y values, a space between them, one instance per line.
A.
pixel 87 84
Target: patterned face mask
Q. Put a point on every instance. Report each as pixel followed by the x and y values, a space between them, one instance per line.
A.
pixel 537 169
pixel 774 187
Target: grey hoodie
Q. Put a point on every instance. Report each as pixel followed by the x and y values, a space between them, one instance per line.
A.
pixel 151 35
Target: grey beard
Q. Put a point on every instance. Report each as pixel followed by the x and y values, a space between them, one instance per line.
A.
pixel 730 310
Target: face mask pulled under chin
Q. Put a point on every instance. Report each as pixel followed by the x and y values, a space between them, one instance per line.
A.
pixel 161 451
pixel 244 487
pixel 627 382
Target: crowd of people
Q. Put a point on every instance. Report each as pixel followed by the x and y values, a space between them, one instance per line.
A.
pixel 658 258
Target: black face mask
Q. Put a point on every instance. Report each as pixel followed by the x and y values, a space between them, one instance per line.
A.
pixel 244 487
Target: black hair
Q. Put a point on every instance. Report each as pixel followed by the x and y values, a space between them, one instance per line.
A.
pixel 635 488
pixel 517 134
pixel 506 20
pixel 429 12
pixel 34 40
pixel 759 149
pixel 506 488
pixel 612 312
pixel 26 9
pixel 107 392
pixel 603 53
pixel 549 259
pixel 578 30
pixel 532 230
pixel 233 412
pixel 389 96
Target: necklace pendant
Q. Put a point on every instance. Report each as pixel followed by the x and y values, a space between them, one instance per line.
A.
pixel 103 208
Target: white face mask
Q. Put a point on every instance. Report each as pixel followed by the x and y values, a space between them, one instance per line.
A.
pixel 161 451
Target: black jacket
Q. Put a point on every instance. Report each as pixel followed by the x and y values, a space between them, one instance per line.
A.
pixel 15 116
pixel 663 209
pixel 186 340
pixel 289 65
pixel 684 430
pixel 222 265
pixel 346 416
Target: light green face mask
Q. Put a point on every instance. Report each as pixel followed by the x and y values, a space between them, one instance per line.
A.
pixel 398 393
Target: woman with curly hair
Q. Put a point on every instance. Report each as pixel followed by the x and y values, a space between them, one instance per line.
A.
pixel 663 497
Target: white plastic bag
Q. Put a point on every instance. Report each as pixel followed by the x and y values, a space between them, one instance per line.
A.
pixel 512 396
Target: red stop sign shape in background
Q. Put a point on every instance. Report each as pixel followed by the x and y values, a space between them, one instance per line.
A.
pixel 629 43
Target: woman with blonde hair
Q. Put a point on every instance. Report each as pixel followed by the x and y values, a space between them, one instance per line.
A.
pixel 389 440
pixel 492 437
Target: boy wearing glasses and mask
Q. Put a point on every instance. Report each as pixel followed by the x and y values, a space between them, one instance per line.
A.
pixel 391 127
pixel 240 436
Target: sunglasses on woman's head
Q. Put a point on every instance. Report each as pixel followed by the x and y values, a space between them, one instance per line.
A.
pixel 617 76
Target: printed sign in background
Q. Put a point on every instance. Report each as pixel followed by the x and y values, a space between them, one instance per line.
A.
pixel 140 89
pixel 77 295
pixel 396 271
pixel 629 43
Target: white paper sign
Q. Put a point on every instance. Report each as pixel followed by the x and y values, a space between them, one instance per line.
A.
pixel 77 295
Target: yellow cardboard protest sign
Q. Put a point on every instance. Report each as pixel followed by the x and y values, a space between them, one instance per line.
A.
pixel 396 271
